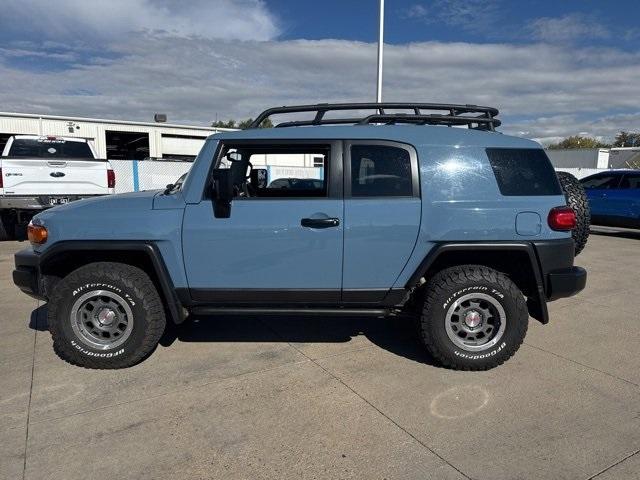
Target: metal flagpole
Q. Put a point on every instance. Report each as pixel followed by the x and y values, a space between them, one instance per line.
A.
pixel 380 53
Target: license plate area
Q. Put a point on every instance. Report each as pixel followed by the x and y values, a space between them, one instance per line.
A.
pixel 58 200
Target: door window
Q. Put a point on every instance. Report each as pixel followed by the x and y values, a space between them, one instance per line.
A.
pixel 278 171
pixel 601 182
pixel 631 181
pixel 380 171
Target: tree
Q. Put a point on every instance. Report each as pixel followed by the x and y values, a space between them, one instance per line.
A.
pixel 222 124
pixel 266 123
pixel 626 139
pixel 578 141
pixel 243 124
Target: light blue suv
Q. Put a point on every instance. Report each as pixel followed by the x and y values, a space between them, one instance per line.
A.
pixel 465 229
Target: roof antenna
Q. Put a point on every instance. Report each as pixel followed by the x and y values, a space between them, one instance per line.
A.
pixel 380 53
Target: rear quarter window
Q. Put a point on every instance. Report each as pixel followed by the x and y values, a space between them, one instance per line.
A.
pixel 523 172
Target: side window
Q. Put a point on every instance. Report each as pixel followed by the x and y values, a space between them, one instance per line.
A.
pixel 631 181
pixel 278 171
pixel 523 171
pixel 601 182
pixel 380 171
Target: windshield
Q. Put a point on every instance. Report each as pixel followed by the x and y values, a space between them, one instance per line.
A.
pixel 49 148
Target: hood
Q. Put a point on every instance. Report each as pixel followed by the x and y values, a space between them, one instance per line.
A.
pixel 122 216
pixel 112 204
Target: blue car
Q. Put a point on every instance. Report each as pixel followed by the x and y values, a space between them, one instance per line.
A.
pixel 614 198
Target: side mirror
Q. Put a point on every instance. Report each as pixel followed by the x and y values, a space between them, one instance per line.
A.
pixel 259 177
pixel 222 190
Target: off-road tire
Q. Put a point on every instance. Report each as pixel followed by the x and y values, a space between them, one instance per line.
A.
pixel 454 283
pixel 133 285
pixel 577 200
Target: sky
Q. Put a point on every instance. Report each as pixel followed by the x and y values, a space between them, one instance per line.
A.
pixel 553 68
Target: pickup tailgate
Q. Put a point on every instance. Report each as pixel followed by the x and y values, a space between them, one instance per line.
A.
pixel 35 176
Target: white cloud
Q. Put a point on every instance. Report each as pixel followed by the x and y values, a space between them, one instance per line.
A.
pixel 88 22
pixel 542 89
pixel 568 28
pixel 471 15
pixel 415 11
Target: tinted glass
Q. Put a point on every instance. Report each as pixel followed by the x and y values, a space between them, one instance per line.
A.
pixel 380 171
pixel 601 182
pixel 45 148
pixel 523 172
pixel 631 181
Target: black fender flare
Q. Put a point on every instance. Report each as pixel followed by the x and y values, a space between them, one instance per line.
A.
pixel 148 248
pixel 537 303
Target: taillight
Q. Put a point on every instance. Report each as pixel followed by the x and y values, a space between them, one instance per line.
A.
pixel 111 179
pixel 562 218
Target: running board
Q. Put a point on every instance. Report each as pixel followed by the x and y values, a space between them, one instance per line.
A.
pixel 369 312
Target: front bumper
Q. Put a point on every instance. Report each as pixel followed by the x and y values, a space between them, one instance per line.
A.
pixel 26 275
pixel 39 202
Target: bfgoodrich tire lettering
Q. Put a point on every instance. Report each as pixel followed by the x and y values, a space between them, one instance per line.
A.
pixel 132 328
pixel 479 294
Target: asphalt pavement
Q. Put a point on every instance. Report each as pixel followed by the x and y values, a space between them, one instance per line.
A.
pixel 329 398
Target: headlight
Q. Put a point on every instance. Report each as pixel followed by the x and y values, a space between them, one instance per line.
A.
pixel 37 234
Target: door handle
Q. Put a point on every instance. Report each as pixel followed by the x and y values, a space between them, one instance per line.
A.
pixel 320 222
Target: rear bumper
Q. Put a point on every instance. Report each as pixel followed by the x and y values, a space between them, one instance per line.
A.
pixel 38 202
pixel 560 277
pixel 566 282
pixel 26 275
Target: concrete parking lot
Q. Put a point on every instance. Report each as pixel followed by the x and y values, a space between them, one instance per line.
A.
pixel 334 397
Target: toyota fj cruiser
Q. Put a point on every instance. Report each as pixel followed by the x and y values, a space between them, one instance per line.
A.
pixel 466 229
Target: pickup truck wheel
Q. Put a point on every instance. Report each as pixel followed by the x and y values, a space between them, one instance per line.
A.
pixel 474 318
pixel 7 227
pixel 105 315
pixel 577 200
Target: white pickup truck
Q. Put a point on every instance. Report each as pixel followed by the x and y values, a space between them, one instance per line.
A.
pixel 38 172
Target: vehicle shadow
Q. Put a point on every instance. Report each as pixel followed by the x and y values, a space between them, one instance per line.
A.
pixel 396 334
pixel 621 233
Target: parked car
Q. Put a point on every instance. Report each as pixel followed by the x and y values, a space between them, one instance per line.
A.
pixel 466 230
pixel 39 172
pixel 614 198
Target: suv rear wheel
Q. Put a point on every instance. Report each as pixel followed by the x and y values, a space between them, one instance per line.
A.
pixel 105 315
pixel 474 318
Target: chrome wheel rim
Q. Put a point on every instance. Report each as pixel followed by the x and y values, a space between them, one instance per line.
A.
pixel 475 322
pixel 101 319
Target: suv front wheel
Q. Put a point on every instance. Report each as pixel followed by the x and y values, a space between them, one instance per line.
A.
pixel 474 318
pixel 105 315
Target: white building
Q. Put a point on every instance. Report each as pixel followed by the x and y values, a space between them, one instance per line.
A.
pixel 122 141
pixel 113 139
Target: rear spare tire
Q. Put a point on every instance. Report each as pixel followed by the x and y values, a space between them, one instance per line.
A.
pixel 577 200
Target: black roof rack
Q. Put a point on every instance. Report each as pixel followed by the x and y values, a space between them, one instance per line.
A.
pixel 473 116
